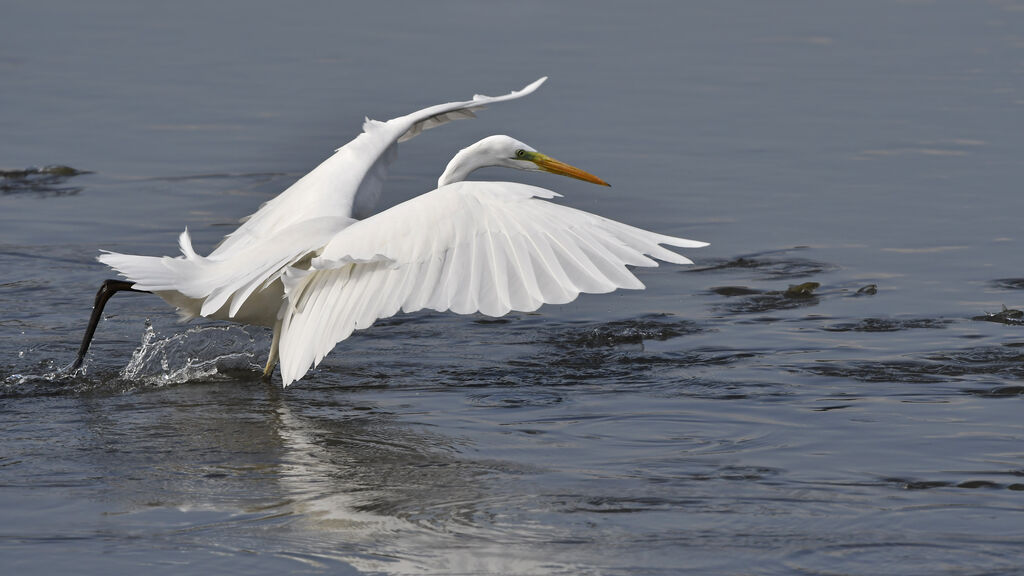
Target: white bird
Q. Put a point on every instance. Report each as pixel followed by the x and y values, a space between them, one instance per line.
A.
pixel 315 265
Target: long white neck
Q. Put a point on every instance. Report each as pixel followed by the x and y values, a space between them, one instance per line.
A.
pixel 465 162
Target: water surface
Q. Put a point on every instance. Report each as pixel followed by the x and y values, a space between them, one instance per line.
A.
pixel 833 387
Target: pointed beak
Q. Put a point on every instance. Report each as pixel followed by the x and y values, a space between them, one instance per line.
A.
pixel 549 164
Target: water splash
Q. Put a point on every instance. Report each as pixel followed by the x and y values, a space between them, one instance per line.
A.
pixel 36 380
pixel 198 353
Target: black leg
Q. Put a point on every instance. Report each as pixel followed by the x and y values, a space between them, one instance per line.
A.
pixel 108 289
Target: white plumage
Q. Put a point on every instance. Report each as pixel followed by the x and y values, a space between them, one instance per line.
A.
pixel 306 266
pixel 489 247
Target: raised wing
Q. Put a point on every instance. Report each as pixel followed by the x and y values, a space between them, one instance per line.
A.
pixel 490 247
pixel 294 225
pixel 347 184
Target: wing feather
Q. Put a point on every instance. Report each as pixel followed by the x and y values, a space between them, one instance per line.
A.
pixel 552 283
pixel 488 247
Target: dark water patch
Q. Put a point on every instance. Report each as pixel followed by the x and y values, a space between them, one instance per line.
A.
pixel 622 505
pixel 792 291
pixel 978 484
pixel 1009 283
pixel 744 473
pixel 45 181
pixel 908 484
pixel 869 290
pixel 695 357
pixel 758 301
pixel 767 266
pixel 607 357
pixel 27 286
pixel 1007 316
pixel 973 484
pixel 909 371
pixel 730 473
pixel 715 389
pixel 770 301
pixel 1000 361
pixel 635 362
pixel 900 555
pixel 550 370
pixel 514 399
pixel 485 320
pixel 804 290
pixel 424 326
pixel 613 370
pixel 831 407
pixel 997 392
pixel 611 334
pixel 889 325
pixel 732 291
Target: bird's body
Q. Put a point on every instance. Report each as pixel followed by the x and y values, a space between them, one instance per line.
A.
pixel 315 263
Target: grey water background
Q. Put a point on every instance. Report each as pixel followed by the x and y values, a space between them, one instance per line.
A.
pixel 712 424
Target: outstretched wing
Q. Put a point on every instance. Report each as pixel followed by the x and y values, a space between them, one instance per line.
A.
pixel 490 247
pixel 348 184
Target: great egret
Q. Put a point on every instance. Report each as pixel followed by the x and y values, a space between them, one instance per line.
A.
pixel 314 265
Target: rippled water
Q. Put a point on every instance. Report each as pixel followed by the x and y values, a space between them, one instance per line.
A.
pixel 835 387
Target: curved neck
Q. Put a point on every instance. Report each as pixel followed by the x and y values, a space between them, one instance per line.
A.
pixel 460 167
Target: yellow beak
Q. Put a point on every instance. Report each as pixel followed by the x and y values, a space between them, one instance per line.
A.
pixel 549 164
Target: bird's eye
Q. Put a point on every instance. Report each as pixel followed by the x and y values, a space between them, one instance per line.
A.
pixel 520 153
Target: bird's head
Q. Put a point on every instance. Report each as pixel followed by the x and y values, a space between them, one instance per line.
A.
pixel 506 151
